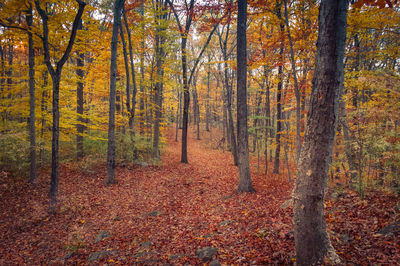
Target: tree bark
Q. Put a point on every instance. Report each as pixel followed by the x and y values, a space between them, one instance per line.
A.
pixel 160 55
pixel 32 118
pixel 245 183
pixel 79 103
pixel 311 238
pixel 134 91
pixel 113 78
pixel 279 93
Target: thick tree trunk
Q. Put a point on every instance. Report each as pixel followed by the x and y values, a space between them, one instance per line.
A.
pixel 32 118
pixel 113 78
pixel 311 238
pixel 186 102
pixel 160 55
pixel 245 184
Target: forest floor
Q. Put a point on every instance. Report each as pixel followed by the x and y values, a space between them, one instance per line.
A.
pixel 165 214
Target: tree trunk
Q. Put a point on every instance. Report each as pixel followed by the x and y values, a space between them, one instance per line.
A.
pixel 296 86
pixel 279 94
pixel 160 55
pixel 311 238
pixel 113 78
pixel 141 82
pixel 208 99
pixel 186 102
pixel 134 91
pixel 245 184
pixel 79 104
pixel 32 118
pixel 43 110
pixel 268 130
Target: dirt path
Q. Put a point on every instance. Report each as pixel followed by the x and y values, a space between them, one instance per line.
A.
pixel 154 215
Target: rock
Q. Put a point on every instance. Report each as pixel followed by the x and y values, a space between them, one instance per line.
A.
pixel 227 197
pixel 206 253
pixel 223 223
pixel 176 256
pixel 215 263
pixel 69 255
pixel 101 236
pixel 146 244
pixel 154 213
pixel 390 229
pixel 142 164
pixel 345 238
pixel 99 255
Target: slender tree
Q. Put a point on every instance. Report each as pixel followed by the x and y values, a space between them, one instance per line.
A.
pixel 32 135
pixel 279 91
pixel 311 238
pixel 118 4
pixel 245 184
pixel 80 63
pixel 55 74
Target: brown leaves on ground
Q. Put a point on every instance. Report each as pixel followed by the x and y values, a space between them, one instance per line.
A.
pixel 163 214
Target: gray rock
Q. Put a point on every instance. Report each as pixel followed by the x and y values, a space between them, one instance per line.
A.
pixel 215 263
pixel 345 238
pixel 101 236
pixel 154 213
pixel 206 253
pixel 223 223
pixel 142 164
pixel 99 255
pixel 390 229
pixel 146 244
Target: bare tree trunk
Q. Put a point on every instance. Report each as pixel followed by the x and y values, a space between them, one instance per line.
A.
pixel 79 103
pixel 113 79
pixel 32 118
pixel 134 91
pixel 312 242
pixel 279 94
pixel 245 183
pixel 208 99
pixel 160 55
pixel 141 82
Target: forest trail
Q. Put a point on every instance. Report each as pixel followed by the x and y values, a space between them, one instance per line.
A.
pixel 164 214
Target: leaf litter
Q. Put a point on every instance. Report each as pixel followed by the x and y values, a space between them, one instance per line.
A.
pixel 164 214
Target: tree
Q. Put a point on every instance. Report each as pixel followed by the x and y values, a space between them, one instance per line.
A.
pixel 55 74
pixel 279 91
pixel 311 238
pixel 118 4
pixel 245 184
pixel 184 32
pixel 32 135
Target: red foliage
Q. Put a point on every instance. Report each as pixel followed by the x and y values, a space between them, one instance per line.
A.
pixel 194 206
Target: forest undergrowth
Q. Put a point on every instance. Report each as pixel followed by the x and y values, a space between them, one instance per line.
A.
pixel 164 213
